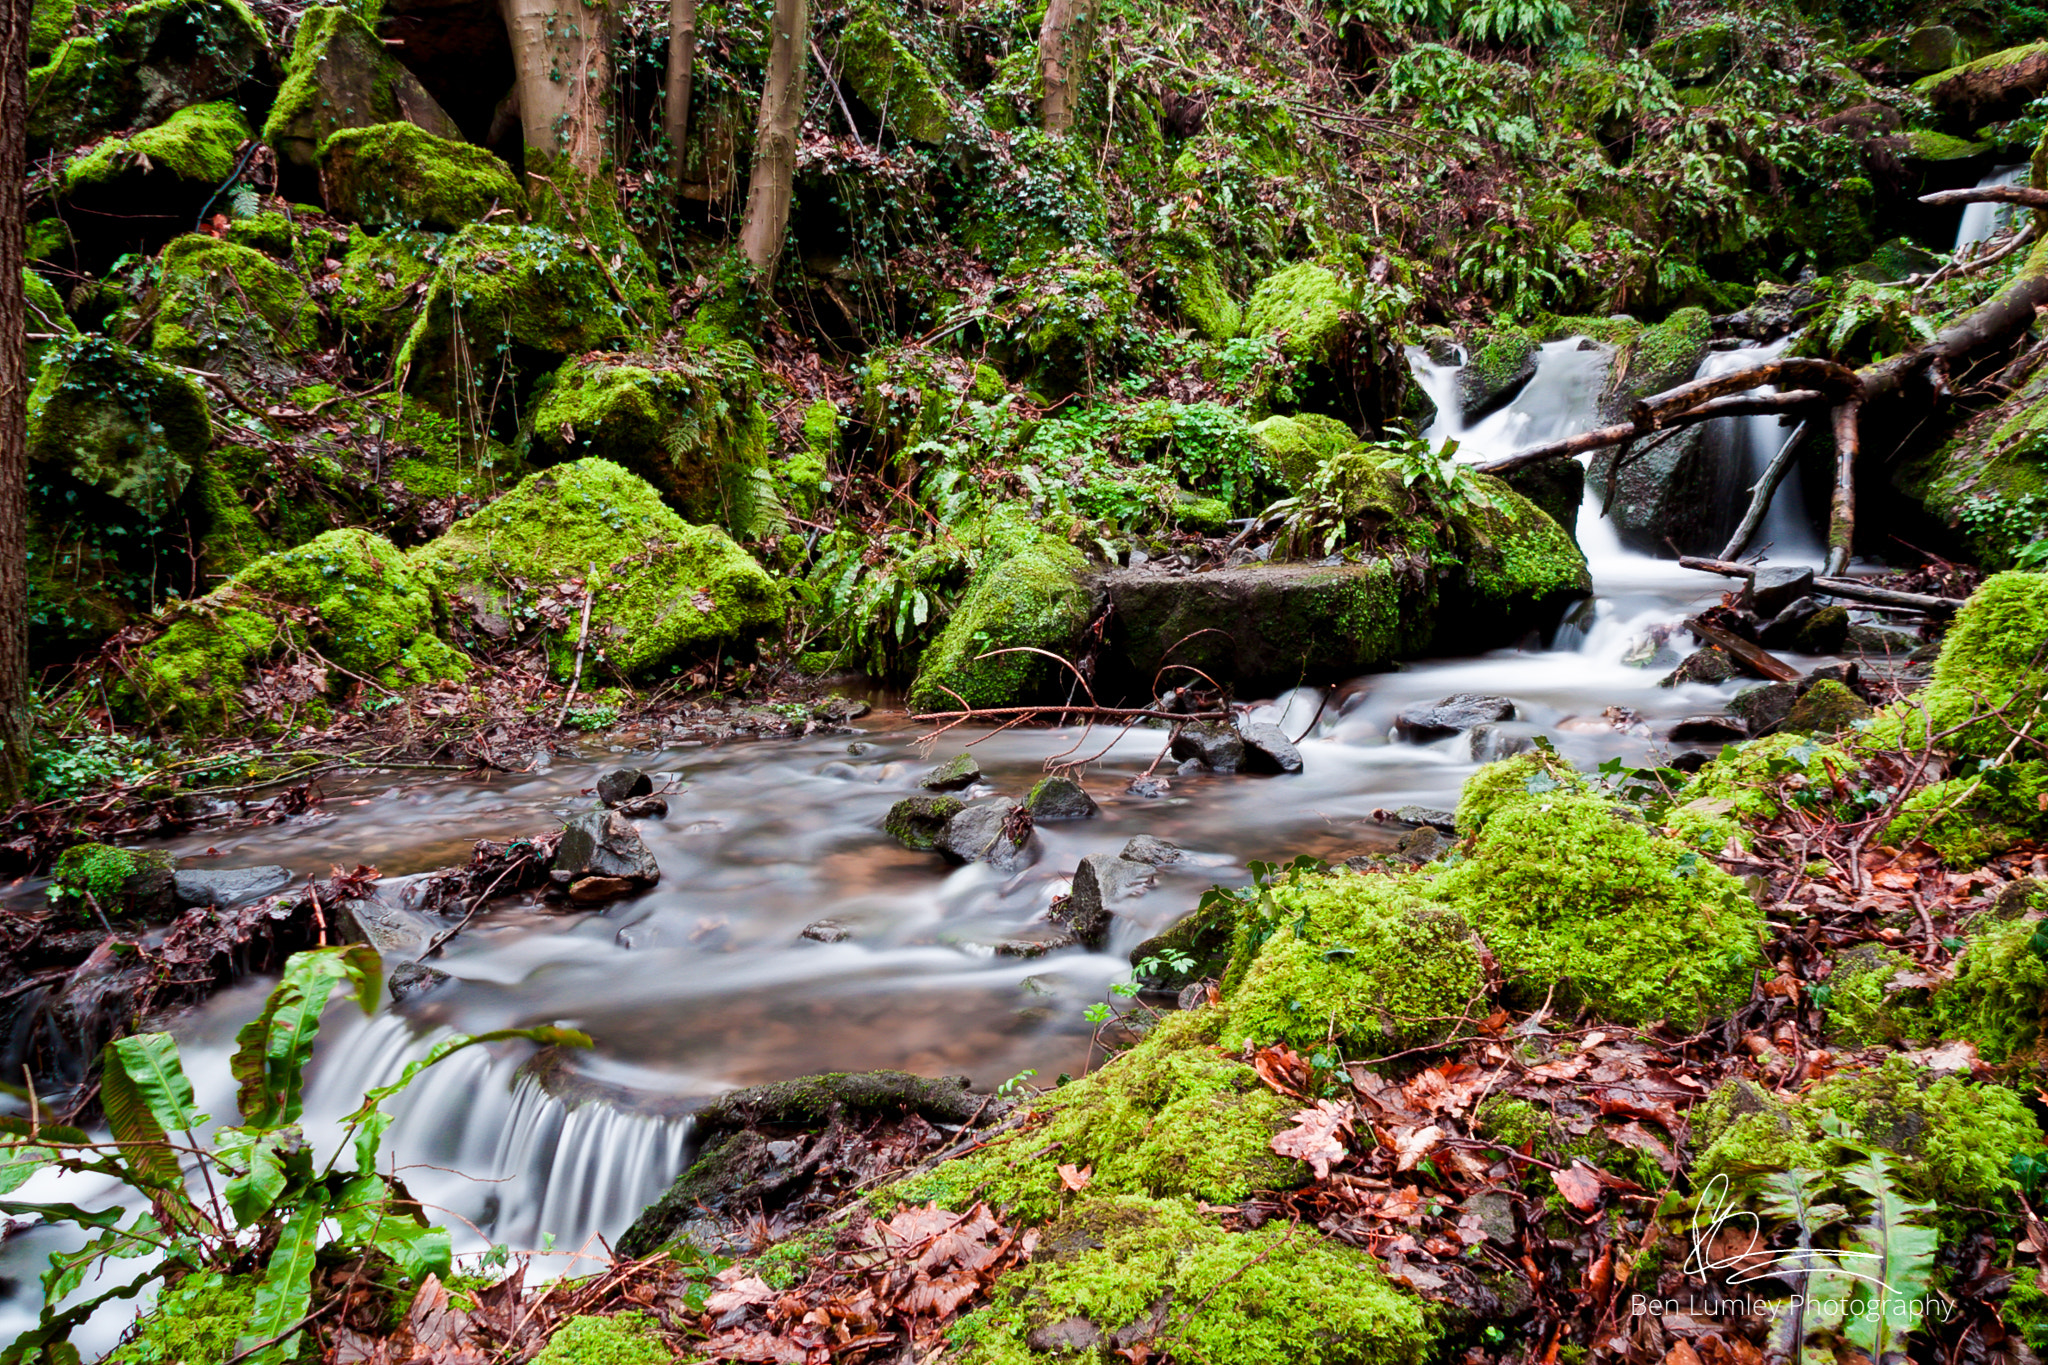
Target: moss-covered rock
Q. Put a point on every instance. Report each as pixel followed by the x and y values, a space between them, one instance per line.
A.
pixel 1699 55
pixel 1826 708
pixel 1293 448
pixel 378 298
pixel 201 1317
pixel 623 1339
pixel 99 879
pixel 1988 482
pixel 49 25
pixel 46 320
pixel 1305 308
pixel 1918 52
pixel 888 76
pixel 1189 274
pixel 1991 660
pixel 1969 819
pixel 1999 997
pixel 143 64
pixel 1038 597
pixel 117 422
pixel 1500 365
pixel 1676 489
pixel 665 588
pixel 340 76
pixel 229 309
pixel 916 822
pixel 401 175
pixel 347 597
pixel 1748 784
pixel 174 166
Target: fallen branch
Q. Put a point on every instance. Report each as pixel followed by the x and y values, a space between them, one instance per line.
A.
pixel 1766 488
pixel 1740 404
pixel 1851 588
pixel 1755 658
pixel 1079 712
pixel 582 635
pixel 1663 409
pixel 1990 194
pixel 1842 513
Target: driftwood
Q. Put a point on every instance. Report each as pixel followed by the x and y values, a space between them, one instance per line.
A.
pixel 1991 194
pixel 1842 512
pixel 1663 409
pixel 1755 658
pixel 1766 488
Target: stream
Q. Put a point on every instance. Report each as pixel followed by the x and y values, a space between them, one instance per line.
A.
pixel 706 983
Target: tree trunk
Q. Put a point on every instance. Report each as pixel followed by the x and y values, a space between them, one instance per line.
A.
pixel 782 107
pixel 561 52
pixel 682 53
pixel 14 687
pixel 1063 42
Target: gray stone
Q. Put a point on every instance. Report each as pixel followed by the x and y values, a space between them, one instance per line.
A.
pixel 1881 641
pixel 1060 798
pixel 1155 852
pixel 1500 368
pixel 1493 741
pixel 1213 744
pixel 1764 706
pixel 1441 719
pixel 917 822
pixel 827 931
pixel 988 832
pixel 1775 588
pixel 957 773
pixel 1100 883
pixel 644 808
pixel 1495 1210
pixel 623 784
pixel 601 844
pixel 1267 749
pixel 1653 650
pixel 1069 1336
pixel 228 886
pixel 1435 817
pixel 412 979
pixel 1783 630
pixel 840 710
pixel 1707 730
pixel 1707 665
pixel 1152 787
pixel 1423 845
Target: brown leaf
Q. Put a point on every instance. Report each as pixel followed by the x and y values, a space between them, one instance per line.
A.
pixel 755 1346
pixel 746 1292
pixel 1076 1178
pixel 1579 1186
pixel 1318 1136
pixel 941 1296
pixel 1411 1147
pixel 1633 1134
pixel 1449 1088
pixel 1682 1354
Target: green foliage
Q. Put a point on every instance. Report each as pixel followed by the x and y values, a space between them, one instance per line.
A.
pixel 2017 521
pixel 1517 22
pixel 264 1186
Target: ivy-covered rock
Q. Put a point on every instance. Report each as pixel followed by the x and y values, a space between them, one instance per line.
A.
pixel 117 422
pixel 665 589
pixel 401 175
pixel 141 66
pixel 341 76
pixel 1038 597
pixel 229 309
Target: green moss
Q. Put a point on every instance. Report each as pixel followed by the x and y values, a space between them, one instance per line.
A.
pixel 1741 1129
pixel 341 76
pixel 1304 306
pixel 1504 354
pixel 887 75
pixel 1927 145
pixel 1276 1294
pixel 2000 993
pixel 222 307
pixel 1861 1012
pixel 1745 786
pixel 140 66
pixel 1514 567
pixel 1970 819
pixel 45 314
pixel 1703 54
pixel 195 145
pixel 1995 658
pixel 1497 785
pixel 667 588
pixel 49 24
pixel 1514 1122
pixel 2007 57
pixel 117 422
pixel 1034 598
pixel 916 822
pixel 627 1339
pixel 1369 961
pixel 1294 447
pixel 1668 353
pixel 377 301
pixel 1189 273
pixel 116 881
pixel 1826 708
pixel 1575 895
pixel 398 174
pixel 201 1317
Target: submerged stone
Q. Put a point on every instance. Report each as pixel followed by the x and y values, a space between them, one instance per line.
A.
pixel 600 844
pixel 228 886
pixel 916 822
pixel 956 774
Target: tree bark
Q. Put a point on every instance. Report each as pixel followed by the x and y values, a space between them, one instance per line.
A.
pixel 1991 194
pixel 1064 37
pixel 561 54
pixel 682 55
pixel 1842 515
pixel 14 380
pixel 782 105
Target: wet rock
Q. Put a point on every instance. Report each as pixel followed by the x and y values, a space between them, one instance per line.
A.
pixel 1825 708
pixel 1423 845
pixel 1707 730
pixel 341 76
pixel 1825 632
pixel 1030 949
pixel 1880 641
pixel 1653 650
pixel 827 931
pixel 840 710
pixel 1268 750
pixel 1690 762
pixel 1060 798
pixel 996 832
pixel 1782 630
pixel 1441 719
pixel 1764 706
pixel 1709 665
pixel 412 979
pixel 916 822
pixel 957 773
pixel 623 784
pixel 1155 852
pixel 1497 371
pixel 1775 588
pixel 1191 767
pixel 1493 742
pixel 228 885
pixel 1556 486
pixel 598 890
pixel 860 746
pixel 601 845
pixel 1215 745
pixel 120 882
pixel 644 808
pixel 1445 820
pixel 1152 787
pixel 1100 883
pixel 1192 996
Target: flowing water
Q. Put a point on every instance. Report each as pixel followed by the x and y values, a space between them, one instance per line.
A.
pixel 1982 222
pixel 705 982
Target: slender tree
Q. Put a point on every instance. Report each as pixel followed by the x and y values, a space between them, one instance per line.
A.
pixel 561 57
pixel 782 107
pixel 14 687
pixel 1064 37
pixel 682 54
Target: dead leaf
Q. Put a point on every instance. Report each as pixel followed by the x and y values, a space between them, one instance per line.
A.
pixel 746 1292
pixel 1580 1188
pixel 1411 1147
pixel 1076 1179
pixel 1682 1354
pixel 1317 1136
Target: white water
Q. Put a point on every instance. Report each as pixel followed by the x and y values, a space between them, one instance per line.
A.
pixel 1982 222
pixel 1743 448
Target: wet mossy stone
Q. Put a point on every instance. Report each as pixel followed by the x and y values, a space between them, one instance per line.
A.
pixel 1556 487
pixel 1989 89
pixel 1294 447
pixel 1060 798
pixel 602 843
pixel 401 175
pixel 341 76
pixel 1675 489
pixel 891 80
pixel 142 65
pixel 1214 744
pixel 1499 369
pixel 1920 52
pixel 1974 481
pixel 120 882
pixel 49 24
pixel 956 774
pixel 172 168
pixel 665 589
pixel 916 822
pixel 348 596
pixel 1202 938
pixel 1971 819
pixel 119 422
pixel 1190 275
pixel 1990 661
pixel 229 309
pixel 1826 708
pixel 1703 54
pixel 1039 597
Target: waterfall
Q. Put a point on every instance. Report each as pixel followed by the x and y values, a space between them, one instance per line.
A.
pixel 1982 222
pixel 1743 448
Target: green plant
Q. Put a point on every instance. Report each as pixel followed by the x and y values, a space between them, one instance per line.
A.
pixel 2019 522
pixel 1518 22
pixel 253 1199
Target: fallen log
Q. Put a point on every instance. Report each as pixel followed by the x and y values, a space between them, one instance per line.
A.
pixel 1600 438
pixel 1766 487
pixel 1842 512
pixel 1991 194
pixel 1755 658
pixel 1797 373
pixel 1727 568
pixel 1852 589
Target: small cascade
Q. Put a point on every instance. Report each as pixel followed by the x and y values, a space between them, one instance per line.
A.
pixel 1982 222
pixel 1562 398
pixel 1742 448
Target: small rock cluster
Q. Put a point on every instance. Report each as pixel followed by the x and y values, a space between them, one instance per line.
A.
pixel 601 857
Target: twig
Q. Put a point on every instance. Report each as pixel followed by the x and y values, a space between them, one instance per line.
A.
pixel 582 633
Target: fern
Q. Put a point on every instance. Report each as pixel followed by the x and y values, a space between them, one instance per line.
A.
pixel 244 202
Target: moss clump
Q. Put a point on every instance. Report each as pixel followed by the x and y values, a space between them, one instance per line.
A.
pixel 222 306
pixel 375 303
pixel 1572 892
pixel 1304 307
pixel 1970 819
pixel 1748 784
pixel 1224 1298
pixel 887 75
pixel 45 314
pixel 1995 658
pixel 1293 448
pixel 1860 1011
pixel 1371 961
pixel 141 66
pixel 49 23
pixel 201 1317
pixel 1189 273
pixel 1497 785
pixel 1826 708
pixel 1999 998
pixel 195 147
pixel 116 881
pixel 1741 1129
pixel 117 422
pixel 1037 598
pixel 916 822
pixel 341 76
pixel 627 1339
pixel 348 596
pixel 665 588
pixel 399 174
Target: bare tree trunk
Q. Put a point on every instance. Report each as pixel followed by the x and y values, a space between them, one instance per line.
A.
pixel 782 108
pixel 14 686
pixel 682 53
pixel 1842 512
pixel 1064 38
pixel 561 52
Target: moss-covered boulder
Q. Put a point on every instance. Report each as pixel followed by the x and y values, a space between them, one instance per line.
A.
pixel 173 167
pixel 1037 597
pixel 140 66
pixel 1191 277
pixel 1501 364
pixel 1989 89
pixel 892 81
pixel 1990 661
pixel 1970 819
pixel 380 292
pixel 1294 447
pixel 228 309
pixel 341 76
pixel 690 424
pixel 49 25
pixel 665 589
pixel 346 603
pixel 1989 482
pixel 99 879
pixel 1304 308
pixel 1918 52
pixel 401 175
pixel 117 422
pixel 1999 996
pixel 46 320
